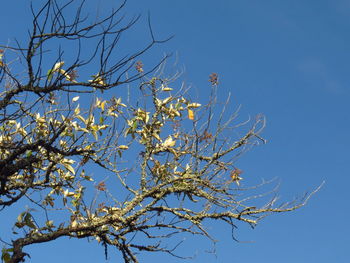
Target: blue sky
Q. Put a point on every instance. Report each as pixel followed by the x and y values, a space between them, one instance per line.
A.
pixel 289 60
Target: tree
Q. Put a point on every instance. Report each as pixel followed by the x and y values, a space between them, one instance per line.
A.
pixel 150 162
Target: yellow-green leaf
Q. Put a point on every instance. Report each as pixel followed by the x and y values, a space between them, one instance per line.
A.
pixel 103 103
pixel 69 168
pixel 190 114
pixel 123 147
pixel 194 105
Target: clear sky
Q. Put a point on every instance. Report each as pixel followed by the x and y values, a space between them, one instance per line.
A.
pixel 289 60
